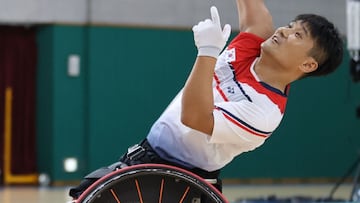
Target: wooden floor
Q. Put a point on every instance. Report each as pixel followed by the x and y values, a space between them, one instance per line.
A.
pixel 27 194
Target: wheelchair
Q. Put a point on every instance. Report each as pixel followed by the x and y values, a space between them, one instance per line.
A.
pixel 151 183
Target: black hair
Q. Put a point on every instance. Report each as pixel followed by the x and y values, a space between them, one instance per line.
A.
pixel 328 47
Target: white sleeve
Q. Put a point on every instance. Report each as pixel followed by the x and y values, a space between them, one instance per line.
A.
pixel 243 123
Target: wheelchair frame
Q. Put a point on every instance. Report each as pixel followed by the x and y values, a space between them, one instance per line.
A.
pixel 150 183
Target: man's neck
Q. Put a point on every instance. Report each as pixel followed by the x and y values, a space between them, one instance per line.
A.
pixel 271 73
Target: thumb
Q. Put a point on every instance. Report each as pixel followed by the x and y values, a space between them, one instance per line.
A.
pixel 226 31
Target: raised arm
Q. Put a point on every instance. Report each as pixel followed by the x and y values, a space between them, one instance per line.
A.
pixel 197 99
pixel 254 17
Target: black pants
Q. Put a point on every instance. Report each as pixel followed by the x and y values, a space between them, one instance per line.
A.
pixel 139 154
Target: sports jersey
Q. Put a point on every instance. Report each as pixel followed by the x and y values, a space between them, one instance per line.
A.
pixel 246 112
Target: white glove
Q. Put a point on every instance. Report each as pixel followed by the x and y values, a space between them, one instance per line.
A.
pixel 209 38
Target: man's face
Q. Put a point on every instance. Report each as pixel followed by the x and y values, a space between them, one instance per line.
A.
pixel 290 45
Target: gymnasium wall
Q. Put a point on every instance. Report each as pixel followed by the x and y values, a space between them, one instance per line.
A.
pixel 128 75
pixel 135 56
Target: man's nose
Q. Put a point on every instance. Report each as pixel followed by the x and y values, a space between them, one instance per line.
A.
pixel 284 32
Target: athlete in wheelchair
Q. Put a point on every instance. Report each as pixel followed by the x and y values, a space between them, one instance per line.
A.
pixel 230 104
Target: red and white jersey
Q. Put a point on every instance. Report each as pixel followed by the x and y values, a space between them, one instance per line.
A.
pixel 246 112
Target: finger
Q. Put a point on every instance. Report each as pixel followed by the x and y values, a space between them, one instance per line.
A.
pixel 195 28
pixel 227 31
pixel 215 15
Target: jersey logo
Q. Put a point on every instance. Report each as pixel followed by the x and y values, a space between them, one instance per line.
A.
pixel 230 55
pixel 230 90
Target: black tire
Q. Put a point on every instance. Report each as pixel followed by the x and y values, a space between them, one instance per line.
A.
pixel 151 183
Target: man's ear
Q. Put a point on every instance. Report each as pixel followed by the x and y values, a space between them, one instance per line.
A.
pixel 309 65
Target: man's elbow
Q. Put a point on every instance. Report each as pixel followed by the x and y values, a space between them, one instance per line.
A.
pixel 200 123
pixel 187 119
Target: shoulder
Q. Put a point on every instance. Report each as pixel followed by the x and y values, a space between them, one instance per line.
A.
pixel 246 39
pixel 244 48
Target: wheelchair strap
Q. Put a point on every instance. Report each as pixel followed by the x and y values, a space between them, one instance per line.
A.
pixel 105 170
pixel 143 153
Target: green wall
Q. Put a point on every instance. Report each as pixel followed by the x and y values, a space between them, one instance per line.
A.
pixel 129 75
pixel 60 102
pixel 133 75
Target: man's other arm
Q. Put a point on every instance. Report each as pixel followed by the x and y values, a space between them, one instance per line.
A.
pixel 254 17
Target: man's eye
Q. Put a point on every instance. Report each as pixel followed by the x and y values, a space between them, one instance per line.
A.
pixel 298 35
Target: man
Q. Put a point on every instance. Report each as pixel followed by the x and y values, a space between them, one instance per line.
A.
pixel 232 103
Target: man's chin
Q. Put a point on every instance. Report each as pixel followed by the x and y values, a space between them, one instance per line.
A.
pixel 267 47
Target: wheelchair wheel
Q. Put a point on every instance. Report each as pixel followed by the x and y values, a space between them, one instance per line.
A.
pixel 151 183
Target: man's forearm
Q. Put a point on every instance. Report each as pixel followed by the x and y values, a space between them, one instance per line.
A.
pixel 254 17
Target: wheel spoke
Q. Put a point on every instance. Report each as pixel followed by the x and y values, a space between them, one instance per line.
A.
pixel 114 195
pixel 161 190
pixel 184 195
pixel 138 190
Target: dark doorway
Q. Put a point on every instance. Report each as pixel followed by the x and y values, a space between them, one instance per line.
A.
pixel 18 56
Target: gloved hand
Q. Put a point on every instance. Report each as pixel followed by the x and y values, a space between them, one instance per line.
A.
pixel 209 38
